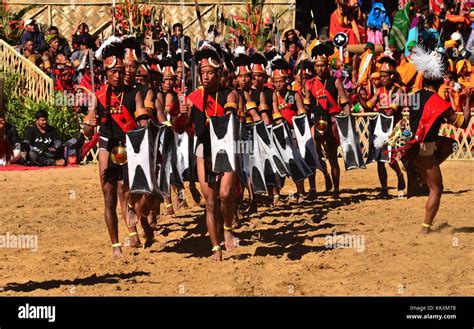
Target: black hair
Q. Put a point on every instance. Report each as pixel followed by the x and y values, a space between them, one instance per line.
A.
pixel 280 64
pixel 268 41
pixel 452 76
pixel 388 60
pixel 132 42
pixel 52 27
pixel 176 25
pixel 322 49
pixel 241 60
pixel 41 114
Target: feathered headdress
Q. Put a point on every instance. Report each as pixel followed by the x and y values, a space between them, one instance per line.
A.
pixel 259 63
pixel 133 50
pixel 242 64
pixel 168 67
pixel 209 55
pixel 430 63
pixel 111 52
pixel 280 68
pixel 178 59
pixel 387 64
pixel 321 52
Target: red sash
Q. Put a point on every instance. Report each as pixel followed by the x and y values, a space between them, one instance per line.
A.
pixel 124 119
pixel 317 89
pixel 433 109
pixel 212 108
pixel 288 111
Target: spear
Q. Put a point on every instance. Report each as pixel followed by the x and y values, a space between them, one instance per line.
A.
pixel 113 17
pixel 314 25
pixel 91 65
pixel 183 78
pixel 198 14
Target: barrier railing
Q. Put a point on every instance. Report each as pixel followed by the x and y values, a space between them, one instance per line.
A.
pixel 464 137
pixel 33 82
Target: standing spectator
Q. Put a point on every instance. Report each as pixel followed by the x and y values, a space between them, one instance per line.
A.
pixel 79 58
pixel 82 29
pixel 45 145
pixel 177 35
pixel 32 33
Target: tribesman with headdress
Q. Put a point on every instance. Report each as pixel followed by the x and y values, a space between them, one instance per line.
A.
pixel 114 111
pixel 243 76
pixel 427 150
pixel 325 97
pixel 305 72
pixel 287 103
pixel 218 188
pixel 140 205
pixel 169 104
pixel 388 100
pixel 262 95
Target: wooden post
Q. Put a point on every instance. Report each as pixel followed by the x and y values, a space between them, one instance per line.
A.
pixel 50 15
pixel 2 87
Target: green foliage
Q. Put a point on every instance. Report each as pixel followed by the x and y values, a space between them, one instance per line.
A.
pixel 11 23
pixel 20 111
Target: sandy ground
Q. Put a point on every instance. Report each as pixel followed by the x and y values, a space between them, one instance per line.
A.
pixel 283 251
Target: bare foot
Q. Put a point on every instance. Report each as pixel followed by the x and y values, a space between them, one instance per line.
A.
pixel 301 199
pixel 169 209
pixel 217 256
pixel 276 201
pixel 426 229
pixel 231 241
pixel 117 252
pixel 135 241
pixel 131 217
pixel 152 220
pixel 148 231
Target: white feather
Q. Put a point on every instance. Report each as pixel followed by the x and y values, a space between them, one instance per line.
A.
pixel 207 45
pixel 108 42
pixel 239 50
pixel 429 63
pixel 270 63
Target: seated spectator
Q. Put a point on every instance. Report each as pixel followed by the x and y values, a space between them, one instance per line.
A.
pixel 9 143
pixel 43 143
pixel 63 44
pixel 28 51
pixel 48 55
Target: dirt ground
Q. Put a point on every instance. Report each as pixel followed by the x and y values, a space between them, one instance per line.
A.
pixel 282 252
